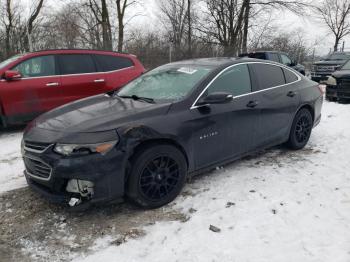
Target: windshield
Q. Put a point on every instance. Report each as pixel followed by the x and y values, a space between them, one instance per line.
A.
pixel 9 61
pixel 169 82
pixel 346 66
pixel 338 56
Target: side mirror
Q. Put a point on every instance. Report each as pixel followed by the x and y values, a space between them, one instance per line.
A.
pixel 216 98
pixel 11 75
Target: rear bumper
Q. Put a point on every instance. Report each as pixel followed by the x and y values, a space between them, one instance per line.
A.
pixel 318 110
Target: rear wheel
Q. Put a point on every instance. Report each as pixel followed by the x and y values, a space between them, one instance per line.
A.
pixel 157 176
pixel 301 129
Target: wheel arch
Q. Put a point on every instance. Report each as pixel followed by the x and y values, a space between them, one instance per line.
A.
pixel 158 141
pixel 308 107
pixel 151 142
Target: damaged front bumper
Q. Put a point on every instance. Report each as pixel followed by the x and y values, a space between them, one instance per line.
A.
pixel 74 180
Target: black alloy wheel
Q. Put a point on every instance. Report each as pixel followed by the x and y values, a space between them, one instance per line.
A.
pixel 301 129
pixel 157 176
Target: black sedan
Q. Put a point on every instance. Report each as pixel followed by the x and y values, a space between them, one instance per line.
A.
pixel 180 119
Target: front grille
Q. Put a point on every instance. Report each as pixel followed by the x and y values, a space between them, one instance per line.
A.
pixel 36 147
pixel 325 68
pixel 344 83
pixel 37 168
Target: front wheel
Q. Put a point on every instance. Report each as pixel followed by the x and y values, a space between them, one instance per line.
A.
pixel 157 176
pixel 301 129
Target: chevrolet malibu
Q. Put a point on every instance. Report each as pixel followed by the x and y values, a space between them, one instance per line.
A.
pixel 142 141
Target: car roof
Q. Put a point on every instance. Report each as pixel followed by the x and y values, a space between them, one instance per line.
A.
pixel 77 51
pixel 217 62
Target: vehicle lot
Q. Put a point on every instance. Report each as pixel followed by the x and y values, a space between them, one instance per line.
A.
pixel 277 205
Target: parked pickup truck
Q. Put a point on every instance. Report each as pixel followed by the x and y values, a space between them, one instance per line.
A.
pixel 338 85
pixel 323 69
pixel 279 57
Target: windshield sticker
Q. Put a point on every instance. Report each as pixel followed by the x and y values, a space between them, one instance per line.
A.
pixel 187 70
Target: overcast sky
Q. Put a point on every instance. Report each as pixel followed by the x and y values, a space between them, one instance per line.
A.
pixel 313 30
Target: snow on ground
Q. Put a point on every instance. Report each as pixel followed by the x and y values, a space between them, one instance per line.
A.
pixel 285 206
pixel 11 165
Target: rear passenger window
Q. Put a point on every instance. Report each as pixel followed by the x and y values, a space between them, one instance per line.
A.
pixel 76 64
pixel 268 75
pixel 290 76
pixel 110 63
pixel 235 81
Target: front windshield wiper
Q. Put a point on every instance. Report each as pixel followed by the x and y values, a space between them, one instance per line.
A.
pixel 135 97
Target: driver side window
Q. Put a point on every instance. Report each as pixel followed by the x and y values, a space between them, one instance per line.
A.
pixel 235 81
pixel 37 66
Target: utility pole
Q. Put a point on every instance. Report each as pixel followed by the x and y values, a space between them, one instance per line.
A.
pixel 343 48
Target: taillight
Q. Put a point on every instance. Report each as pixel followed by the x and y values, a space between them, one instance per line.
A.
pixel 322 88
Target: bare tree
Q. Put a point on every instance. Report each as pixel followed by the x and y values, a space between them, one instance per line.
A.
pixel 8 22
pixel 28 45
pixel 174 16
pixel 122 6
pixel 101 14
pixel 335 14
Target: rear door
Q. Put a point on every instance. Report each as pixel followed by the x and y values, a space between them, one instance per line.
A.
pixel 278 100
pixel 118 70
pixel 36 92
pixel 79 76
pixel 223 131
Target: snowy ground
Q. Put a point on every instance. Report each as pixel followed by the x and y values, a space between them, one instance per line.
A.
pixel 278 205
pixel 11 166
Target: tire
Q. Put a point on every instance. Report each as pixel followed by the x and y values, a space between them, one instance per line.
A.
pixel 301 130
pixel 157 176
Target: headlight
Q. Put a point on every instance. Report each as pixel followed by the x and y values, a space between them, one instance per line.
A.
pixel 84 149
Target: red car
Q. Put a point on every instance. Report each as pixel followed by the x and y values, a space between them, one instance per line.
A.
pixel 33 83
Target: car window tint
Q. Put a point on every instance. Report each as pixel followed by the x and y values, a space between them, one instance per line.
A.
pixel 37 66
pixel 110 63
pixel 235 81
pixel 274 57
pixel 76 64
pixel 286 60
pixel 258 55
pixel 290 76
pixel 268 75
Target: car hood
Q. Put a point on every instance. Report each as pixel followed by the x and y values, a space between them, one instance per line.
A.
pixel 330 62
pixel 341 74
pixel 98 113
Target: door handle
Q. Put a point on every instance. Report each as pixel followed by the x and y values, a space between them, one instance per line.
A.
pixel 52 84
pixel 291 94
pixel 252 104
pixel 99 80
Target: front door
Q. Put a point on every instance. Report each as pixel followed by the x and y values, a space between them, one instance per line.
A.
pixel 224 131
pixel 36 92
